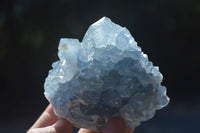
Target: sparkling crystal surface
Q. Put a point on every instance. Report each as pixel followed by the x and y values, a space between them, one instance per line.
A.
pixel 104 76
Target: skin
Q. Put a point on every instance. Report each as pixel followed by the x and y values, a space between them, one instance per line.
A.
pixel 49 123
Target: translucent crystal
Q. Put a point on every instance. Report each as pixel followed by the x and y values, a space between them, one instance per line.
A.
pixel 104 76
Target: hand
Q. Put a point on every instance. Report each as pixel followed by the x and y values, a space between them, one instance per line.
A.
pixel 49 123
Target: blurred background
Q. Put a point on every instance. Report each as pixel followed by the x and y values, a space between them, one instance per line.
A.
pixel 30 30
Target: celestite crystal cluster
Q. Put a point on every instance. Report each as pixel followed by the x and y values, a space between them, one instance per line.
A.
pixel 104 76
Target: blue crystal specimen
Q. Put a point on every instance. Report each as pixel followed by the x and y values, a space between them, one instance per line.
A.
pixel 103 76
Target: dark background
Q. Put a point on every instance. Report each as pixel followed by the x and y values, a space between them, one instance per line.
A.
pixel 30 30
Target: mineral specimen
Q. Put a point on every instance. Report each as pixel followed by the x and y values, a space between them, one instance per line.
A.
pixel 104 76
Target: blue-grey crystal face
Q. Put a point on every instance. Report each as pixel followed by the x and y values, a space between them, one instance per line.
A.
pixel 104 76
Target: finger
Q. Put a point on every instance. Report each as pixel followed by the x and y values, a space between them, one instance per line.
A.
pixel 82 130
pixel 61 126
pixel 49 129
pixel 47 118
pixel 130 130
pixel 117 125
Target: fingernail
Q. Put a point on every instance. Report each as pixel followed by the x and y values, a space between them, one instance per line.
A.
pixel 115 125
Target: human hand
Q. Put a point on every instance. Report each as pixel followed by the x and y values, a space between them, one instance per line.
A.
pixel 49 123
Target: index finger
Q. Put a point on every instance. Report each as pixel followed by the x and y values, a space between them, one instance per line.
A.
pixel 47 118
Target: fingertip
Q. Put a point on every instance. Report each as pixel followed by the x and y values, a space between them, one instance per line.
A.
pixel 115 125
pixel 83 130
pixel 130 130
pixel 63 126
pixel 47 118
